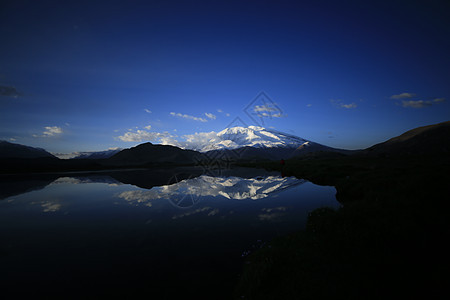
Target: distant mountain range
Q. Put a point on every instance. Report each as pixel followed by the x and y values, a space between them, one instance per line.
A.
pixel 89 154
pixel 231 144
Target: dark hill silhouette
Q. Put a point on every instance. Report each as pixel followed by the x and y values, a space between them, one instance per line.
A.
pixel 273 153
pixel 149 154
pixel 12 150
pixel 426 140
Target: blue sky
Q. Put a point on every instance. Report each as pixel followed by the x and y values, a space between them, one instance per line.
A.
pixel 91 75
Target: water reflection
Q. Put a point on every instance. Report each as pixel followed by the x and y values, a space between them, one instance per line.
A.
pixel 188 192
pixel 110 229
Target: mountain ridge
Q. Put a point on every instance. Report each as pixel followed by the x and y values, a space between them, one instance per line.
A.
pixel 13 150
pixel 430 139
pixel 250 144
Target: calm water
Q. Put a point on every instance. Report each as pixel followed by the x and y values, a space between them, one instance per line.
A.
pixel 151 233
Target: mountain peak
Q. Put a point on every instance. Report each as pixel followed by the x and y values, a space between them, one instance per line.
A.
pixel 252 136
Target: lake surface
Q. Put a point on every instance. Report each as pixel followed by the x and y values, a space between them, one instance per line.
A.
pixel 170 233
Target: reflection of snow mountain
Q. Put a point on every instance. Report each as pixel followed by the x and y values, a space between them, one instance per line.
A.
pixel 229 187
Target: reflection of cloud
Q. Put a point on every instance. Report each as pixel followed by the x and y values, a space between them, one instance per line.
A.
pixel 197 211
pixel 236 188
pixel 69 180
pixel 271 214
pixel 50 206
pixel 138 197
pixel 91 179
pixel 213 212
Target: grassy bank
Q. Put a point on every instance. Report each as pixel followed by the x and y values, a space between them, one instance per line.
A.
pixel 387 241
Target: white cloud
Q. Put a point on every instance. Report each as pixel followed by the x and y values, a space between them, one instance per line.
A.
pixel 403 96
pixel 421 103
pixel 264 108
pixel 267 111
pixel 222 112
pixel 308 105
pixel 416 104
pixel 141 135
pixel 192 141
pixel 148 111
pixel 338 103
pixel 188 117
pixel 348 106
pixel 50 131
pixel 211 116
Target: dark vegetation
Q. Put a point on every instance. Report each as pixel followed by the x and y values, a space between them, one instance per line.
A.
pixel 388 240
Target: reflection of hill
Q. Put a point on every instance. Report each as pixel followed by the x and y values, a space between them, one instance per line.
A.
pixel 148 178
pixel 12 185
pixel 239 183
pixel 16 185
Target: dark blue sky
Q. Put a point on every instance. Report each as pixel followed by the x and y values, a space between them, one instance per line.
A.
pixel 90 75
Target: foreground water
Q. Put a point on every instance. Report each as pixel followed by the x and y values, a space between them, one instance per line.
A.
pixel 165 234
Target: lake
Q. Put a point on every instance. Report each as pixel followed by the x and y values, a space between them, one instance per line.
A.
pixel 180 232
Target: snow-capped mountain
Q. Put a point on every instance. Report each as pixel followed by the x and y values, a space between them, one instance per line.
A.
pixel 253 142
pixel 252 136
pixel 98 154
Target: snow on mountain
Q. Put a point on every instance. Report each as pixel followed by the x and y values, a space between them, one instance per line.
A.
pixel 237 137
pixel 89 154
